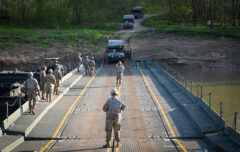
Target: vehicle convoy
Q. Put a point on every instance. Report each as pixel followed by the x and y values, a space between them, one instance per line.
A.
pixel 116 51
pixel 128 22
pixel 138 12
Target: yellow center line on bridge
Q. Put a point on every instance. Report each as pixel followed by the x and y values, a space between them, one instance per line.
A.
pixel 69 110
pixel 161 108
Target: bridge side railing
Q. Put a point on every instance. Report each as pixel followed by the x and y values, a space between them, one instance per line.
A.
pixel 187 86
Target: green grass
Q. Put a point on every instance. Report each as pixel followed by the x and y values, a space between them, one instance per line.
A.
pixel 161 24
pixel 96 37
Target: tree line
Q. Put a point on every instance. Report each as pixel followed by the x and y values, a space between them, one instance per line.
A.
pixel 64 13
pixel 54 13
pixel 195 12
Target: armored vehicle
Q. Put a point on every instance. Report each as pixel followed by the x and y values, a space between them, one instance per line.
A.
pixel 128 22
pixel 138 12
pixel 116 51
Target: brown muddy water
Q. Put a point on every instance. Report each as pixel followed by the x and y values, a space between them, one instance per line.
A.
pixel 224 86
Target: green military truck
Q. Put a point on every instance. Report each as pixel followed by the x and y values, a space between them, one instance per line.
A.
pixel 128 22
pixel 116 51
pixel 138 12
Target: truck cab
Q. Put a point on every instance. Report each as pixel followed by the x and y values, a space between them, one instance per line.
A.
pixel 138 12
pixel 128 22
pixel 116 51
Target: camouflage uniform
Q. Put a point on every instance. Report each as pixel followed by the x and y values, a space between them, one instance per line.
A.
pixel 43 82
pixel 79 61
pixel 92 66
pixel 50 82
pixel 120 69
pixel 113 108
pixel 32 89
pixel 58 77
pixel 86 65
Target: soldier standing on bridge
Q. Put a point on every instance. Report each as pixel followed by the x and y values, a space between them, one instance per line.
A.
pixel 58 77
pixel 43 82
pixel 113 108
pixel 120 69
pixel 86 65
pixel 92 66
pixel 50 82
pixel 79 61
pixel 33 90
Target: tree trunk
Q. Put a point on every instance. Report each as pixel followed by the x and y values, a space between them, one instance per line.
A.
pixel 221 12
pixel 170 12
pixel 5 6
pixel 194 12
pixel 233 12
pixel 210 17
pixel 24 10
pixel 38 15
pixel 237 12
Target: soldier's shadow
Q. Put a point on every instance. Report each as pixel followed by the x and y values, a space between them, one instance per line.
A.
pixel 87 149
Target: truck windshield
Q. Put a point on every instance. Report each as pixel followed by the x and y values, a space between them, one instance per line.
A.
pixel 128 20
pixel 115 50
pixel 136 11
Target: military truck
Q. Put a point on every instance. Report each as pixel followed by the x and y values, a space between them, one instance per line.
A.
pixel 138 12
pixel 128 22
pixel 116 51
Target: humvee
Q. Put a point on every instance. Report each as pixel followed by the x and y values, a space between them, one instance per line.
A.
pixel 128 22
pixel 138 12
pixel 116 51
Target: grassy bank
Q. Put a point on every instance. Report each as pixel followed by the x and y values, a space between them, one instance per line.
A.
pixel 13 37
pixel 161 24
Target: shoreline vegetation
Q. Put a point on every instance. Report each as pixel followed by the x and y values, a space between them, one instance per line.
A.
pixel 160 24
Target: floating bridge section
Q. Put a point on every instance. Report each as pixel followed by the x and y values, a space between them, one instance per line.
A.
pixel 161 115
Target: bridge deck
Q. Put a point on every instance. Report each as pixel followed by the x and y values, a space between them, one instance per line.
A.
pixel 144 127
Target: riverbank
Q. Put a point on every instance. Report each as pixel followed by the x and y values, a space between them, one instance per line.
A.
pixel 20 47
pixel 201 52
pixel 190 47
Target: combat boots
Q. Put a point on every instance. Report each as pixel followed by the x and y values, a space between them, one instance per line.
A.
pixel 118 144
pixel 107 145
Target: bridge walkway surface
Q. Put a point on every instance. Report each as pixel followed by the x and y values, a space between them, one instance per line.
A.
pixel 144 126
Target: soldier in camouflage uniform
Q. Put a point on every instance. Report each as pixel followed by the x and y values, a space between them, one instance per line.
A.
pixel 58 77
pixel 32 90
pixel 86 65
pixel 92 66
pixel 79 61
pixel 113 108
pixel 120 69
pixel 50 82
pixel 43 82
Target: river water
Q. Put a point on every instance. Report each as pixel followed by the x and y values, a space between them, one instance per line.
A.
pixel 224 86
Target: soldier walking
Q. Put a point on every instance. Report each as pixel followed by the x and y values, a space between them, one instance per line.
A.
pixel 113 108
pixel 79 61
pixel 43 82
pixel 50 82
pixel 92 66
pixel 58 77
pixel 86 65
pixel 120 69
pixel 32 89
